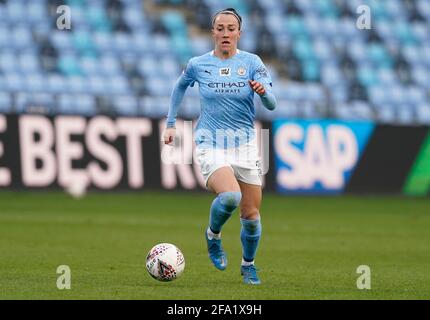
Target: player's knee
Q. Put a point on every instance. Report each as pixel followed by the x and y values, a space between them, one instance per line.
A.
pixel 249 212
pixel 230 200
pixel 252 227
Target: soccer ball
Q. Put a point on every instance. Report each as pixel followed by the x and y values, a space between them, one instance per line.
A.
pixel 165 262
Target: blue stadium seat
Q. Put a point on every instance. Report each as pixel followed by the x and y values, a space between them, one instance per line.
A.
pixel 379 95
pixel 5 102
pixel 97 18
pixel 22 38
pixel 425 53
pixel 357 50
pixel 331 74
pixel 109 65
pixel 404 33
pixel 89 66
pixel 122 42
pixel 148 66
pixel 314 92
pixel 83 42
pixel 169 67
pixel 311 70
pixel 154 106
pixel 8 61
pixel 201 45
pixel 84 104
pixel 126 105
pixel 174 22
pixel 338 93
pixel 15 82
pixel 386 114
pixel 423 113
pixel 81 104
pixel 405 114
pixel 36 82
pixel 191 107
pixel 61 40
pixel 387 77
pixel 423 6
pixel 379 55
pixel 161 44
pixel 69 65
pixel 270 5
pixel 77 84
pixel 16 11
pixel 275 22
pixel 308 110
pixel 36 11
pixel 303 49
pixel 295 26
pixel 117 85
pixel 397 95
pixel 415 95
pixel 29 63
pixel 367 76
pixel 355 110
pixel 420 31
pixel 97 85
pixel 102 41
pixel 322 49
pixel 158 87
pixel 93 60
pixel 5 36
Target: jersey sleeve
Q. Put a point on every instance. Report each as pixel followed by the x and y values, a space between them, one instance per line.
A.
pixel 188 75
pixel 260 72
pixel 186 79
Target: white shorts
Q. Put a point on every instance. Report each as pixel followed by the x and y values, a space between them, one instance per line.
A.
pixel 244 161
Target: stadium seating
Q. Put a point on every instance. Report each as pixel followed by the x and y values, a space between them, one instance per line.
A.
pixel 123 57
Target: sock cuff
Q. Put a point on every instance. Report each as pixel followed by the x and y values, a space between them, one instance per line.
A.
pixel 251 226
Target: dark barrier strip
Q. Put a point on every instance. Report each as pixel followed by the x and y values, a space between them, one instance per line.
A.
pixel 387 159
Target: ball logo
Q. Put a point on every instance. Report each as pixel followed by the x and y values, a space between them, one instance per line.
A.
pixel 241 71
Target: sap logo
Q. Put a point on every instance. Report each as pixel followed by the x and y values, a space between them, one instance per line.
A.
pixel 314 155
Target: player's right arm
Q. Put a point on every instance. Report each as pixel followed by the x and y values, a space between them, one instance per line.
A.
pixel 186 79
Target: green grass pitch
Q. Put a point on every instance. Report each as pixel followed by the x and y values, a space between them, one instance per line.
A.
pixel 310 249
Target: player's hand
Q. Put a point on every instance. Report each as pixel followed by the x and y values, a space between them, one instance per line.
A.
pixel 257 87
pixel 169 135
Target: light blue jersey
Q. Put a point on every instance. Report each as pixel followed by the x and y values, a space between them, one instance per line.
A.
pixel 226 98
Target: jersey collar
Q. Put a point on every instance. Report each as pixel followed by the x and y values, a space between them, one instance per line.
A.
pixel 237 52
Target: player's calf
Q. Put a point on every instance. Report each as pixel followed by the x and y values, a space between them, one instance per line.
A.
pixel 222 208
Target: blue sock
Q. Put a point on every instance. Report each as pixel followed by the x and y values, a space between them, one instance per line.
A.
pixel 250 237
pixel 222 208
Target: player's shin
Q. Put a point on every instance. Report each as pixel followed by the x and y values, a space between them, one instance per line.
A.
pixel 222 208
pixel 250 237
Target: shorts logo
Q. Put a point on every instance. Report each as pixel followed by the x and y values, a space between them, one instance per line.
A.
pixel 224 72
pixel 241 71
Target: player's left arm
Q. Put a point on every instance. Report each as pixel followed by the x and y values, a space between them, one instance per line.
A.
pixel 262 85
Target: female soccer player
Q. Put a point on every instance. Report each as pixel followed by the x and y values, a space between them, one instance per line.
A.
pixel 225 140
